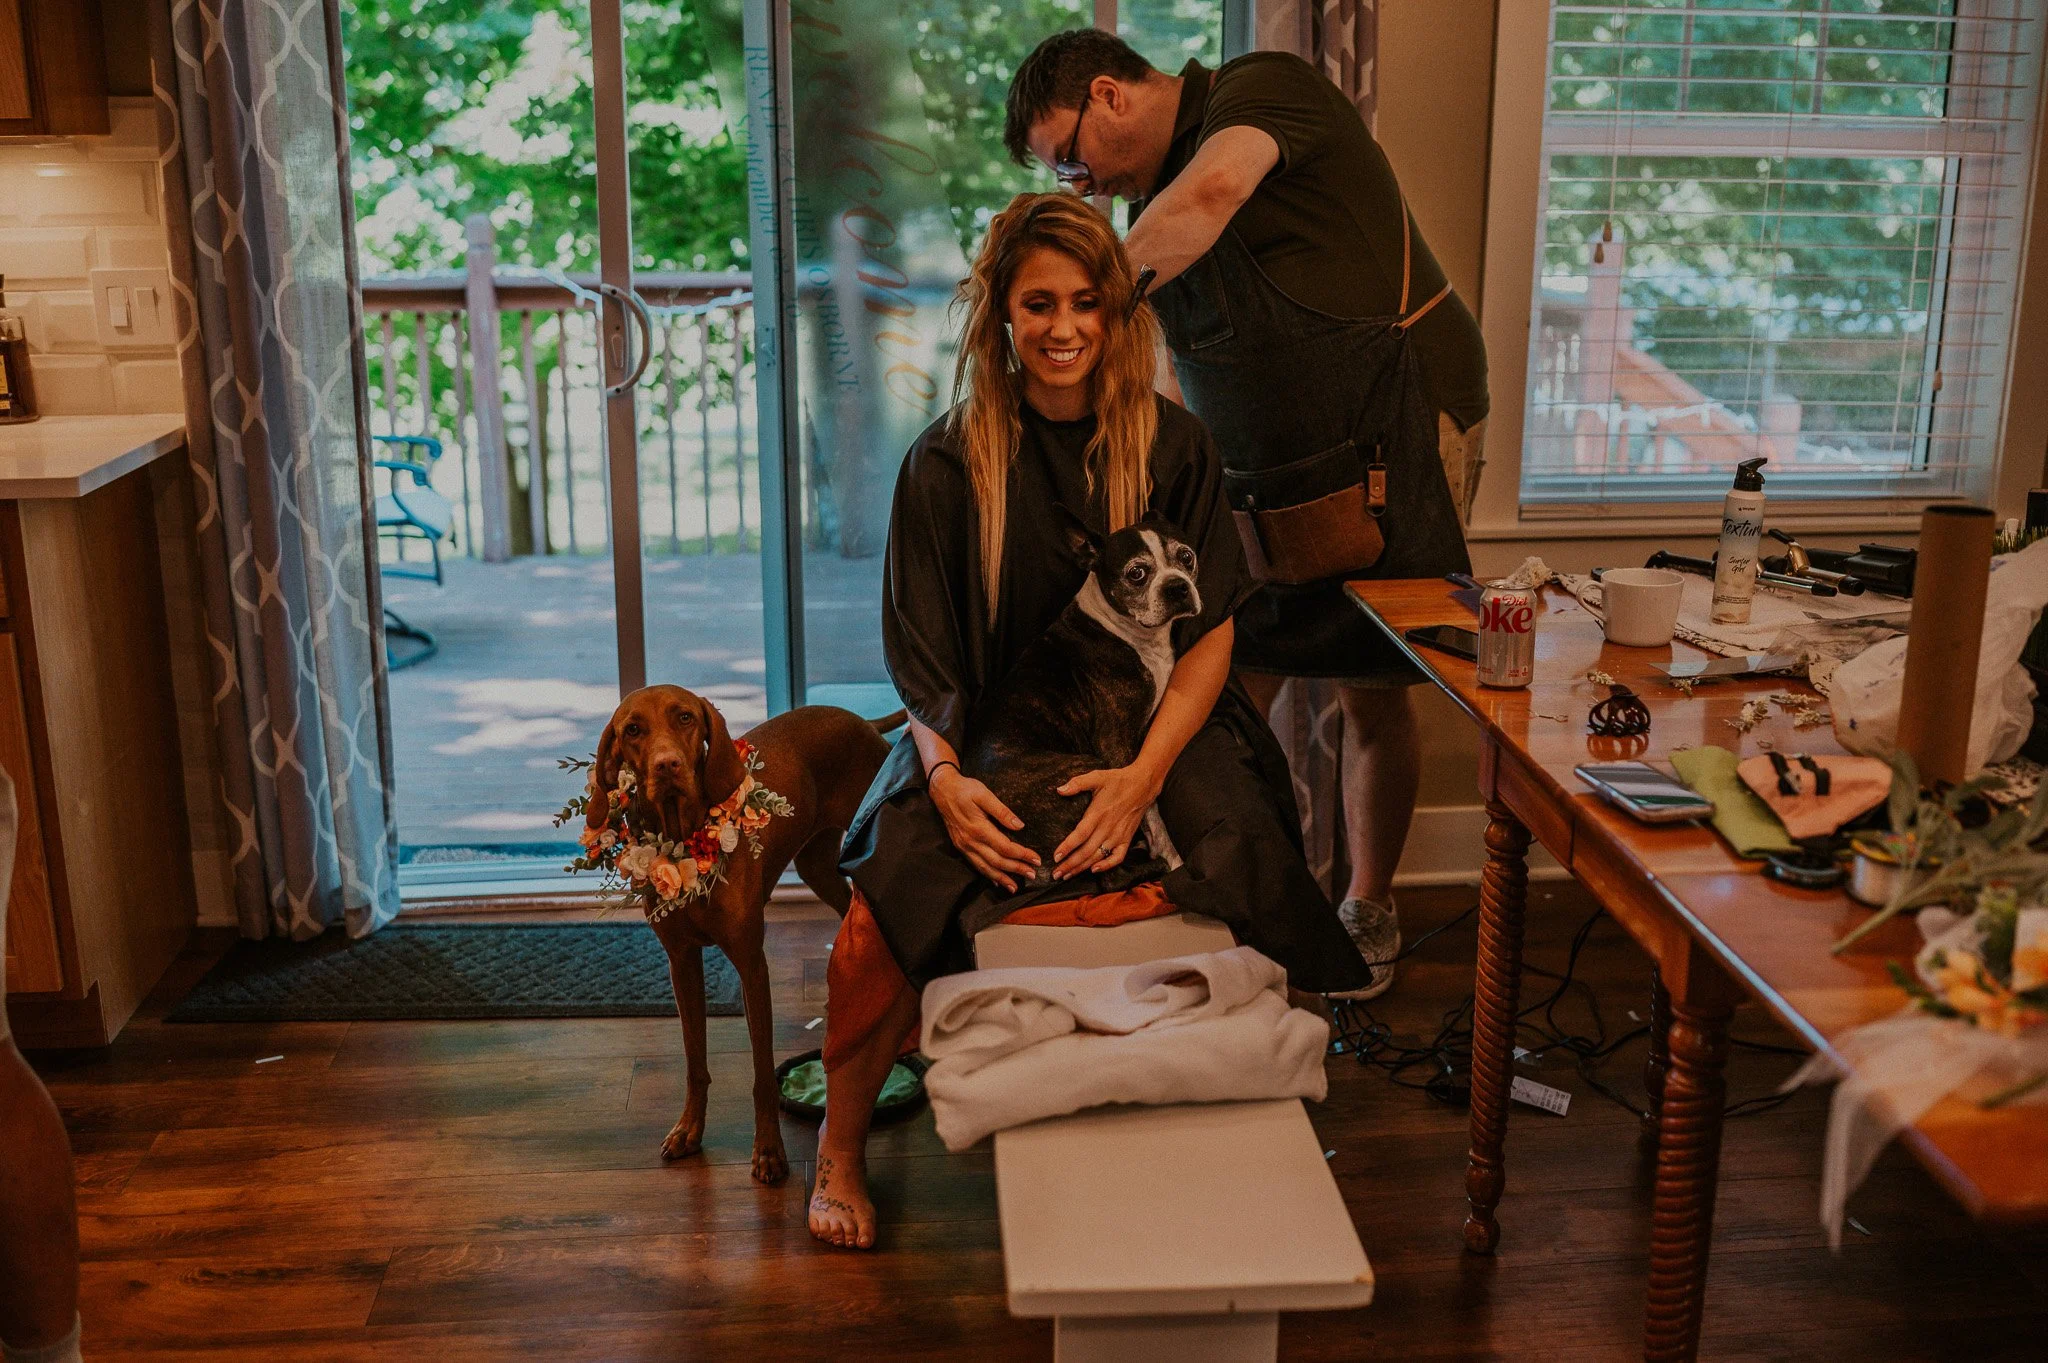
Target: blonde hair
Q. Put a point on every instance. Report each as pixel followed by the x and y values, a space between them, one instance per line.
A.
pixel 988 381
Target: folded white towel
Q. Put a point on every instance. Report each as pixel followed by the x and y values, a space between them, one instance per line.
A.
pixel 1012 1046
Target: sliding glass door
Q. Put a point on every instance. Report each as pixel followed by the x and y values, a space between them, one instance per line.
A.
pixel 874 135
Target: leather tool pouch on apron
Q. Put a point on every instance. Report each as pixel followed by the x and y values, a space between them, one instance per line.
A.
pixel 1311 519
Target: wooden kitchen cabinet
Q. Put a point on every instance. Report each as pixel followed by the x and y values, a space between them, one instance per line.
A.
pixel 53 68
pixel 103 895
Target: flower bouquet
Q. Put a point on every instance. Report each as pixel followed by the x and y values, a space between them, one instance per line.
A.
pixel 1975 1019
pixel 665 874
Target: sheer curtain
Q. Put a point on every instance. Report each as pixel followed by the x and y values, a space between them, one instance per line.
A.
pixel 256 190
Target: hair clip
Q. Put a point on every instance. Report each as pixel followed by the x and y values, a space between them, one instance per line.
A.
pixel 1786 785
pixel 1621 715
pixel 1146 275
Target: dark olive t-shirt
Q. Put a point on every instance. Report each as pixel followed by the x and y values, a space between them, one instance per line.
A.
pixel 1326 223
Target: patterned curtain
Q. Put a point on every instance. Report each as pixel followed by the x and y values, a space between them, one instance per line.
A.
pixel 1342 38
pixel 256 188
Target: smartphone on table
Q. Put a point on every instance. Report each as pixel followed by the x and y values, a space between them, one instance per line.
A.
pixel 1459 643
pixel 1644 792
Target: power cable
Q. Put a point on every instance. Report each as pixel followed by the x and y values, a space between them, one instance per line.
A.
pixel 1446 1058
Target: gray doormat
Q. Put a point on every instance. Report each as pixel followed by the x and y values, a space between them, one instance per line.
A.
pixel 538 970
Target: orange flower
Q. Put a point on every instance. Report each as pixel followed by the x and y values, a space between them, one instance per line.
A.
pixel 666 877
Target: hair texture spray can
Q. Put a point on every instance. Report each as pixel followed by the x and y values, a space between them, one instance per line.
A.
pixel 1742 533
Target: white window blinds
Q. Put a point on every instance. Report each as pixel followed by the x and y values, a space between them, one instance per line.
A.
pixel 1778 227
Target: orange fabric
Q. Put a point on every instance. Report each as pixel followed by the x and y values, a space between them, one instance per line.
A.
pixel 1098 910
pixel 862 980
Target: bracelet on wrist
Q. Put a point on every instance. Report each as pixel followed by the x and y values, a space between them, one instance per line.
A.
pixel 937 767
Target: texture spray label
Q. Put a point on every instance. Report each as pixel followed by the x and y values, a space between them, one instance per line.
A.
pixel 1742 533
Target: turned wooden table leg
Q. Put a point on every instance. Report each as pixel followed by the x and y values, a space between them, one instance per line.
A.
pixel 1657 1064
pixel 1688 1166
pixel 1503 891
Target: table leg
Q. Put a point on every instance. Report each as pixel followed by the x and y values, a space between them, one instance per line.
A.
pixel 1688 1166
pixel 1657 1064
pixel 1503 891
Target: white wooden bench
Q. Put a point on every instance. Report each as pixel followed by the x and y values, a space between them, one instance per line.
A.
pixel 1166 1234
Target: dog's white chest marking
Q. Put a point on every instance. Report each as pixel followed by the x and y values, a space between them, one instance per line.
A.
pixel 1154 647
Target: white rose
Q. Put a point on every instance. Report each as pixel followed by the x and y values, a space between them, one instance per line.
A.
pixel 636 862
pixel 728 837
pixel 607 838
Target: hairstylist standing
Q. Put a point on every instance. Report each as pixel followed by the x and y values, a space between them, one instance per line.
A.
pixel 1312 330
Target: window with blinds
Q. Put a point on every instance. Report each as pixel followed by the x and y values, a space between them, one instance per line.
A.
pixel 1778 227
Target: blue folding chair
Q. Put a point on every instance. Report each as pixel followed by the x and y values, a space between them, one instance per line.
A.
pixel 410 509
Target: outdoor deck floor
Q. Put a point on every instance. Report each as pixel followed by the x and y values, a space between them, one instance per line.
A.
pixel 528 673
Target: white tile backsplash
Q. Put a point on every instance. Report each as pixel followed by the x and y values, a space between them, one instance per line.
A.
pixel 74 385
pixel 66 207
pixel 148 386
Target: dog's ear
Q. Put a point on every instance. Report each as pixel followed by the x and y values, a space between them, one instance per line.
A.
pixel 1081 542
pixel 604 775
pixel 721 771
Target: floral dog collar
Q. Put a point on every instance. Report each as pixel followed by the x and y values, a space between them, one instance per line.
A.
pixel 665 875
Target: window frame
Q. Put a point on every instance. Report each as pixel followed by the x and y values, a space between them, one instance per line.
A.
pixel 1516 194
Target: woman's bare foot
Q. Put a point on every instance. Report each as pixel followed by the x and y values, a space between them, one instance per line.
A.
pixel 841 1213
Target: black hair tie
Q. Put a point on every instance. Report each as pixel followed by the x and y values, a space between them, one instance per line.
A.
pixel 1621 715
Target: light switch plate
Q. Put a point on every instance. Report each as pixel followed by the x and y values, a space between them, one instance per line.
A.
pixel 151 311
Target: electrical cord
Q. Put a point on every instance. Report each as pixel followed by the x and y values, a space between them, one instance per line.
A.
pixel 1446 1058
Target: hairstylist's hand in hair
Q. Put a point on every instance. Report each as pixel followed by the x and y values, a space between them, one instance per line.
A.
pixel 974 817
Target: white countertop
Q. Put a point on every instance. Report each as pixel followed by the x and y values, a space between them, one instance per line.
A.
pixel 69 456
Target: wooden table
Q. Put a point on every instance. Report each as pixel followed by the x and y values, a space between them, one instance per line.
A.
pixel 1713 927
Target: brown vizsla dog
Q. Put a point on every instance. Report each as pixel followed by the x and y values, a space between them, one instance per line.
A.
pixel 822 760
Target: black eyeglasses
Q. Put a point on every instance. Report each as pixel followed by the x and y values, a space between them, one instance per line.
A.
pixel 1067 170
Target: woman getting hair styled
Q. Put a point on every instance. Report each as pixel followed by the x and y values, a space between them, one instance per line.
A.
pixel 1056 412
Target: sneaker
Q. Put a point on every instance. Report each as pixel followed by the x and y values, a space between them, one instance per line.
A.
pixel 1376 931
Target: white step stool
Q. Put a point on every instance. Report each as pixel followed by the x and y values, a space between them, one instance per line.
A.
pixel 1166 1234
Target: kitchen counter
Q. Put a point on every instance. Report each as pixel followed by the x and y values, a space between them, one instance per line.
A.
pixel 70 456
pixel 103 896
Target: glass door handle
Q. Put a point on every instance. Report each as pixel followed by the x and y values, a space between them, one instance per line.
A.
pixel 631 300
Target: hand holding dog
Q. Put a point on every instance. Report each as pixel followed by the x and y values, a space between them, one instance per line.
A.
pixel 975 820
pixel 1118 799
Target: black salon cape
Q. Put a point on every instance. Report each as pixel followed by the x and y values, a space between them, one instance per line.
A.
pixel 1228 802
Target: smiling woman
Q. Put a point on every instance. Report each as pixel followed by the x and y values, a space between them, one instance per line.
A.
pixel 1058 424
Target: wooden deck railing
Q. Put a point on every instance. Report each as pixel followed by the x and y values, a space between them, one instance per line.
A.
pixel 501 366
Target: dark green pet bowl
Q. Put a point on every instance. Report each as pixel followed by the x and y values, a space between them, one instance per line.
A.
pixel 801 1079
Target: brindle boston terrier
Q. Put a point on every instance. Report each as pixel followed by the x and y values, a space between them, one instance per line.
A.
pixel 1081 697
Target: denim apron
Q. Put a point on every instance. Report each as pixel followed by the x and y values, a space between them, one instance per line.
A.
pixel 1277 382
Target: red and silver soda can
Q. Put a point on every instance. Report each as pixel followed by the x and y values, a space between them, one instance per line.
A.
pixel 1507 636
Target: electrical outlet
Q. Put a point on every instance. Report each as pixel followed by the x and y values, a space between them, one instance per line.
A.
pixel 133 309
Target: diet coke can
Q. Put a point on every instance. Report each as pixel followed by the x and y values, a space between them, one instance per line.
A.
pixel 1507 636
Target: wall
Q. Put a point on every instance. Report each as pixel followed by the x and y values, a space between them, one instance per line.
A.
pixel 66 207
pixel 1435 120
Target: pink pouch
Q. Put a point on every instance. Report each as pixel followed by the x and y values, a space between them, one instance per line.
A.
pixel 1814 796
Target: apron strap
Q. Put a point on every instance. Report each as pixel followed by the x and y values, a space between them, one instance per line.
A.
pixel 1409 319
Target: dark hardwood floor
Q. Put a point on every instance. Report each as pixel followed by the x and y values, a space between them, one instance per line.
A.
pixel 492 1190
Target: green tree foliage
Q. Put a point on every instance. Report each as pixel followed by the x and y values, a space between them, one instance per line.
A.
pixel 1751 259
pixel 465 106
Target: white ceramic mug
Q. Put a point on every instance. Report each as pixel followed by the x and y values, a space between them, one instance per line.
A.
pixel 1641 604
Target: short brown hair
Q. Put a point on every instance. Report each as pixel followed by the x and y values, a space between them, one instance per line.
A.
pixel 1057 75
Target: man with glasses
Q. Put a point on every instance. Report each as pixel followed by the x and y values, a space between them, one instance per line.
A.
pixel 1316 335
